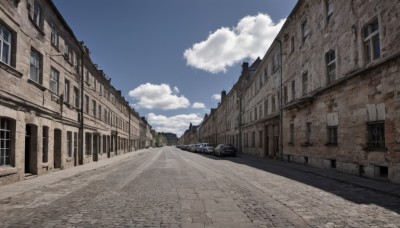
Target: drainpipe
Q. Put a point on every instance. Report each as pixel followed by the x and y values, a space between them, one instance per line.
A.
pixel 281 102
pixel 81 108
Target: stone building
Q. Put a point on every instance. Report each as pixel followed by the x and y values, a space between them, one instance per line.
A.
pixel 57 108
pixel 326 92
pixel 341 71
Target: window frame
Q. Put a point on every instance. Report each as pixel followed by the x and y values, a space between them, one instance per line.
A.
pixel 54 36
pixel 372 35
pixel 6 146
pixel 36 63
pixel 376 144
pixel 4 42
pixel 37 14
pixel 54 80
pixel 332 135
pixel 67 90
pixel 330 61
pixel 304 83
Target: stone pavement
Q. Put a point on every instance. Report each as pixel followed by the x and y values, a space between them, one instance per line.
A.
pixel 59 175
pixel 167 187
pixel 375 185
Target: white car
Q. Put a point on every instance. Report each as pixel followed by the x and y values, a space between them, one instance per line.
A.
pixel 208 148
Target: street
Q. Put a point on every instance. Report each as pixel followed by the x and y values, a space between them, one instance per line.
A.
pixel 167 187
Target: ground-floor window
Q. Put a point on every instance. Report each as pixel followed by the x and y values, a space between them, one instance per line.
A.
pixel 376 135
pixel 332 135
pixel 5 142
pixel 45 144
pixel 88 143
pixel 69 143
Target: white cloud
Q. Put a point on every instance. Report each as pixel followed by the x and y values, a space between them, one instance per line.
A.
pixel 176 90
pixel 174 124
pixel 150 96
pixel 225 47
pixel 198 105
pixel 216 97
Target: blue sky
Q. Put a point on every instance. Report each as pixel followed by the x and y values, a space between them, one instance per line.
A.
pixel 169 57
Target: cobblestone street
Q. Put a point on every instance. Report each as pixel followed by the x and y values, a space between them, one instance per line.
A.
pixel 167 187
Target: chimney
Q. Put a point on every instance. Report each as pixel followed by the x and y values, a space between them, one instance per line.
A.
pixel 223 95
pixel 245 67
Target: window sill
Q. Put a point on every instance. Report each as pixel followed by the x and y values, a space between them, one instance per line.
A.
pixel 55 47
pixel 375 149
pixel 45 165
pixel 68 159
pixel 11 70
pixel 7 170
pixel 37 84
pixel 331 145
pixel 38 28
pixel 306 144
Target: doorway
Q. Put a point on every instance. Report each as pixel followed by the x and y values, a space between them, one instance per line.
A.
pixel 57 148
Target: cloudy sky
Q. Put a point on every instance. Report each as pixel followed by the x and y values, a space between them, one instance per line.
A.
pixel 172 58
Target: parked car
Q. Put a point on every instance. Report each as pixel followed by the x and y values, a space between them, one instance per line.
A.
pixel 225 149
pixel 192 147
pixel 208 148
pixel 198 147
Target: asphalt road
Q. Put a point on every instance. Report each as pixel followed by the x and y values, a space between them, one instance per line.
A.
pixel 167 187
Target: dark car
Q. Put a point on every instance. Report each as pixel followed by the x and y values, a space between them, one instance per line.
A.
pixel 225 149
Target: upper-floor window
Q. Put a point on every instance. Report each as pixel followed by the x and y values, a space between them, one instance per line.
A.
pixel 35 67
pixel 275 61
pixel 37 13
pixel 266 107
pixel 54 35
pixel 305 83
pixel 308 133
pixel 54 80
pixel 94 107
pixel 67 91
pixel 76 97
pixel 304 30
pixel 99 114
pixel 372 47
pixel 292 44
pixel 5 45
pixel 330 59
pixel 293 90
pixel 86 104
pixel 332 135
pixel 273 104
pixel 265 74
pixel 285 95
pixel 329 9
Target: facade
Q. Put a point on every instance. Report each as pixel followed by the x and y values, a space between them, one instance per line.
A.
pixel 325 93
pixel 57 108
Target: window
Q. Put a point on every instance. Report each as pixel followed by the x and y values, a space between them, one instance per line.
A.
pixel 330 59
pixel 265 74
pixel 304 30
pixel 308 132
pixel 329 10
pixel 260 139
pixel 75 143
pixel 37 13
pixel 285 95
pixel 292 44
pixel 88 144
pixel 273 104
pixel 76 97
pixel 5 142
pixel 372 48
pixel 275 61
pixel 45 144
pixel 69 143
pixel 305 83
pixel 94 110
pixel 66 90
pixel 291 139
pixel 105 114
pixel 86 104
pixel 332 135
pixel 266 107
pixel 54 35
pixel 5 45
pixel 293 90
pixel 54 81
pixel 260 111
pixel 35 67
pixel 255 113
pixel 376 135
pixel 253 139
pixel 99 114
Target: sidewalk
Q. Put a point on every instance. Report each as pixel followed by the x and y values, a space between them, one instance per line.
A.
pixel 50 178
pixel 375 185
